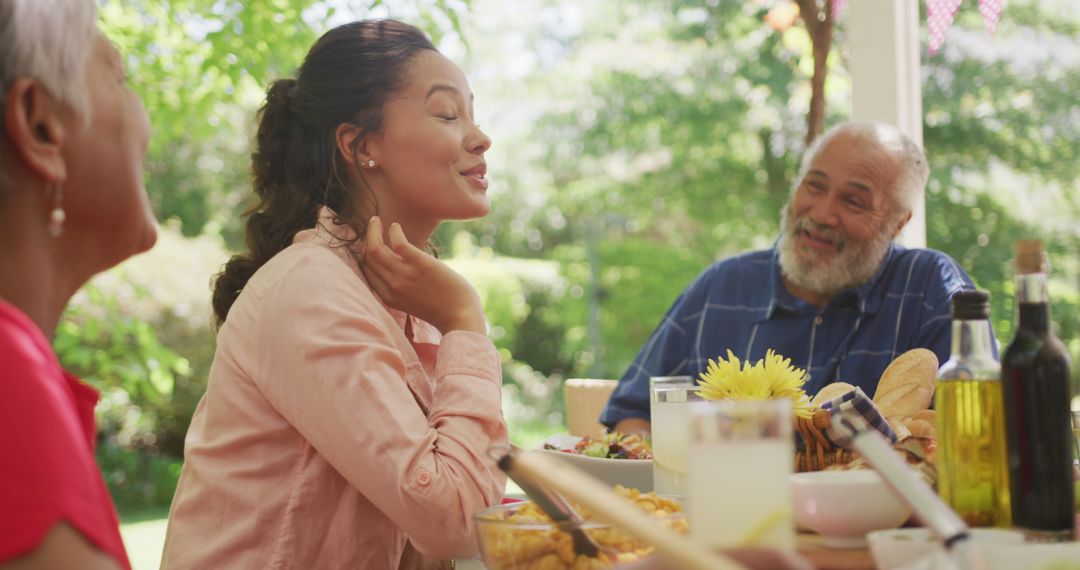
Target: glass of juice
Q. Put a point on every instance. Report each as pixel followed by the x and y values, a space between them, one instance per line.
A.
pixel 738 486
pixel 670 435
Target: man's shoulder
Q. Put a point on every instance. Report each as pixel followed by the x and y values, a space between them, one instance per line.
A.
pixel 927 267
pixel 729 277
pixel 924 259
pixel 922 256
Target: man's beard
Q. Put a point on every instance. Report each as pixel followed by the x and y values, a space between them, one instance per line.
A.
pixel 853 263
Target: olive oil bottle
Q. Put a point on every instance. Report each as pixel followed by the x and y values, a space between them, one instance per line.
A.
pixel 972 463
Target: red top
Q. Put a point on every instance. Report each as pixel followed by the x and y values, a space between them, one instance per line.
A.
pixel 48 473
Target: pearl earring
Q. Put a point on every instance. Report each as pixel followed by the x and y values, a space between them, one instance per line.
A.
pixel 57 216
pixel 371 164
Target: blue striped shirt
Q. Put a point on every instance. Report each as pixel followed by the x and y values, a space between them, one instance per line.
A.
pixel 741 304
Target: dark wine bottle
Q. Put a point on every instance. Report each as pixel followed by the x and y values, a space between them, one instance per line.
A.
pixel 1035 378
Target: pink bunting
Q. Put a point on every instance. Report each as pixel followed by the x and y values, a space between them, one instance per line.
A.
pixel 838 9
pixel 991 13
pixel 939 17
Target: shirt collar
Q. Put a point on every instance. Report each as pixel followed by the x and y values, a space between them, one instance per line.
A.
pixel 866 298
pixel 341 239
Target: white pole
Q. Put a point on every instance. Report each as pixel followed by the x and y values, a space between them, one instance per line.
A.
pixel 886 83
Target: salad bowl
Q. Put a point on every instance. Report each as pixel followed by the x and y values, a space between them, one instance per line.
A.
pixel 630 473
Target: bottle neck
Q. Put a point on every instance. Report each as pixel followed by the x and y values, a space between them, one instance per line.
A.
pixel 1032 302
pixel 971 339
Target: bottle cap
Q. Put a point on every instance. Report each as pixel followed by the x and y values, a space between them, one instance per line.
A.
pixel 971 305
pixel 1030 256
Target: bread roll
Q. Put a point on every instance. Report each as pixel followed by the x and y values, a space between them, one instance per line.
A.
pixel 927 415
pixel 831 391
pixel 907 385
pixel 922 428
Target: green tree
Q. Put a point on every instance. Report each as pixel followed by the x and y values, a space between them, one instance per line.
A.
pixel 1001 129
pixel 201 67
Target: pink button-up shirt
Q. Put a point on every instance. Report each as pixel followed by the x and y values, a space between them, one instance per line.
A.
pixel 333 434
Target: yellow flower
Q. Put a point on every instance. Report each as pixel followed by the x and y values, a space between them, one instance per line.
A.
pixel 770 377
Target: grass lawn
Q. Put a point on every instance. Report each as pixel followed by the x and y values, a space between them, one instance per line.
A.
pixel 144 534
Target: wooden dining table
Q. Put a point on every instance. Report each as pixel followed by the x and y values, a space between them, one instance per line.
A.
pixel 808 544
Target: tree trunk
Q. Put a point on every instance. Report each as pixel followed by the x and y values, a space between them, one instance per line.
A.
pixel 818 17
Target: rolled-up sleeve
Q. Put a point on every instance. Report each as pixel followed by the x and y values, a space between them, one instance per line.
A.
pixel 332 362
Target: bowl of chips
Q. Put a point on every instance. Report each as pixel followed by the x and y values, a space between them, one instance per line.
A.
pixel 520 535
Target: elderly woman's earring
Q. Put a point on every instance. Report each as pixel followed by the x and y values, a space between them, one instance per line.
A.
pixel 371 164
pixel 57 216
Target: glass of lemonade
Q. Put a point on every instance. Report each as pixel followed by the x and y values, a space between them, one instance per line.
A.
pixel 671 435
pixel 738 484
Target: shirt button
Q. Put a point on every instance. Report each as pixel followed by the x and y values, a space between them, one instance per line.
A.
pixel 423 477
pixel 818 320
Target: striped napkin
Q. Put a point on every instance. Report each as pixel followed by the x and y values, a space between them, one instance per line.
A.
pixel 857 401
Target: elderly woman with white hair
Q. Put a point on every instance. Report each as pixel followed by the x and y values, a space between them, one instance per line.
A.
pixel 72 203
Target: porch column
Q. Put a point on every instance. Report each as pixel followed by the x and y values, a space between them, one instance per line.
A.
pixel 886 85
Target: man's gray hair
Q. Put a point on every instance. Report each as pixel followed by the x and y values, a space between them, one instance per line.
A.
pixel 914 168
pixel 48 40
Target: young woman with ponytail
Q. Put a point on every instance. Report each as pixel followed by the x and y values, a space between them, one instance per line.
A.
pixel 354 396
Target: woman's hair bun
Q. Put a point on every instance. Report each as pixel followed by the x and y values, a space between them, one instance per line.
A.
pixel 280 92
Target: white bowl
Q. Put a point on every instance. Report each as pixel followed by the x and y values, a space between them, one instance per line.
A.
pixel 842 506
pixel 1033 556
pixel 898 547
pixel 631 473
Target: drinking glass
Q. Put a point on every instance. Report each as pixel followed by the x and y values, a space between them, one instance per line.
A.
pixel 740 461
pixel 667 381
pixel 1076 434
pixel 670 435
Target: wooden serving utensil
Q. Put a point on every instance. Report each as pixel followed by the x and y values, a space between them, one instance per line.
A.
pixel 542 471
pixel 562 514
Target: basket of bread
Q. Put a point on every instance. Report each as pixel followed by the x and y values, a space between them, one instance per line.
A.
pixel 901 404
pixel 899 407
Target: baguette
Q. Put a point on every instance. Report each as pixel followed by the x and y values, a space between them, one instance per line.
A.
pixel 922 423
pixel 829 392
pixel 907 385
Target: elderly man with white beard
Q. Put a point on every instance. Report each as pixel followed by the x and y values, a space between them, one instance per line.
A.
pixel 835 294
